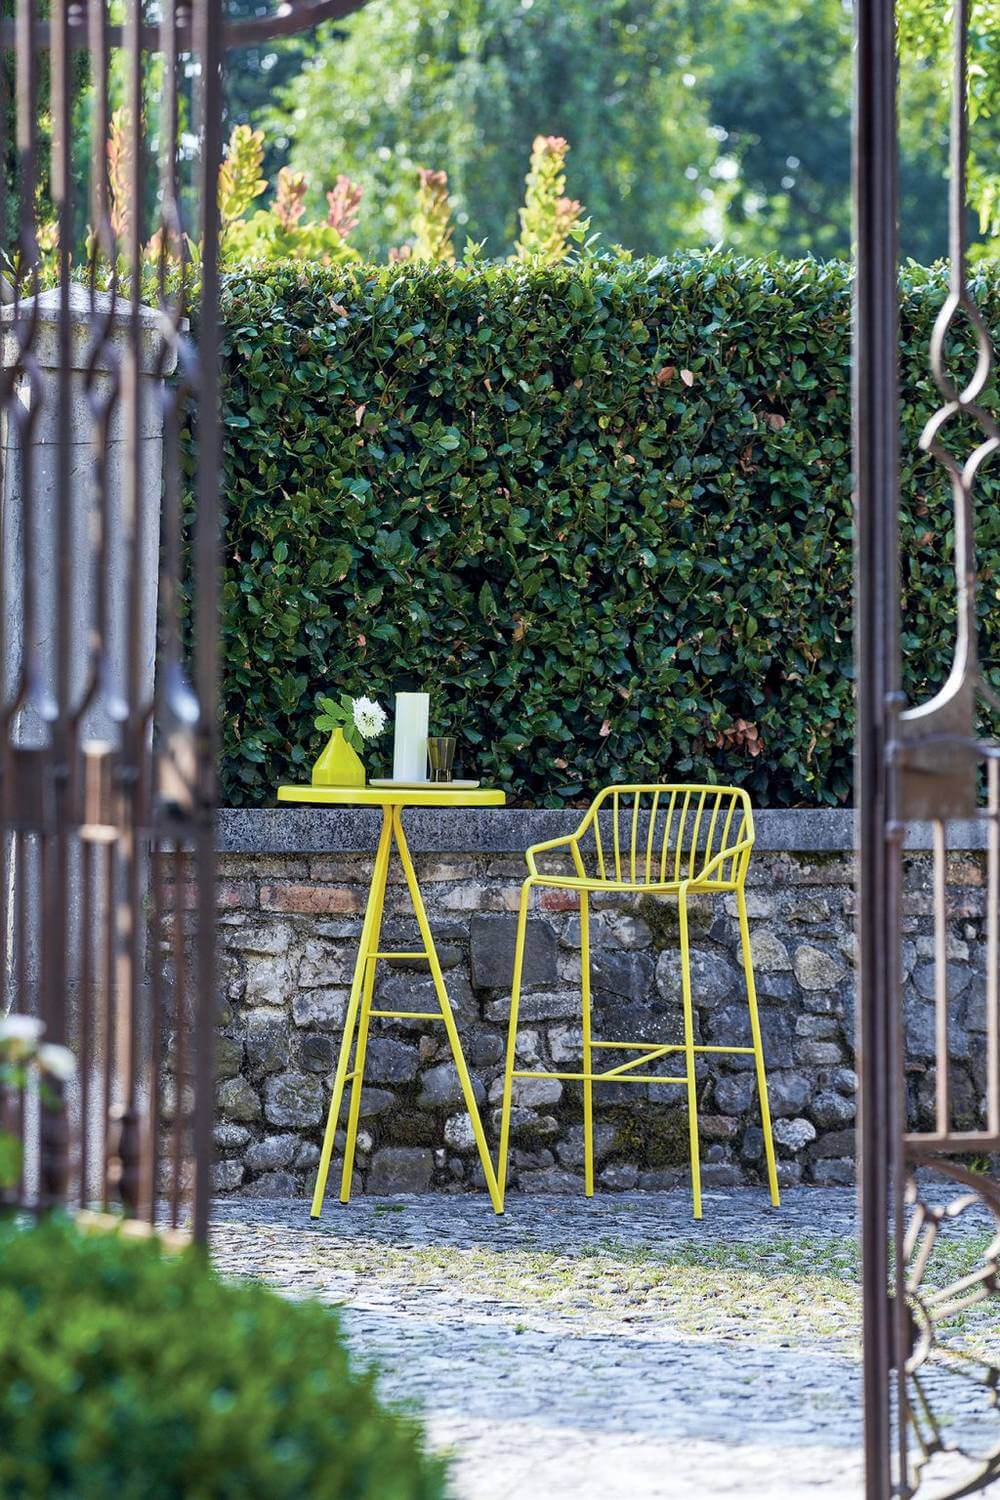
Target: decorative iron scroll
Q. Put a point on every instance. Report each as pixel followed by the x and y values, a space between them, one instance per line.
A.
pixel 938 753
pixel 954 1392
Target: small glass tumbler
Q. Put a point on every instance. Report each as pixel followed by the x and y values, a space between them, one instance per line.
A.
pixel 441 754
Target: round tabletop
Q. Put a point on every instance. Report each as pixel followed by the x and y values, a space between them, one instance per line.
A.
pixel 387 796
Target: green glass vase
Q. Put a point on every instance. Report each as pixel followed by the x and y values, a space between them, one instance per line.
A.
pixel 339 764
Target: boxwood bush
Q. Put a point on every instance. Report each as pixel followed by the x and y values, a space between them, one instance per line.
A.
pixel 603 512
pixel 129 1374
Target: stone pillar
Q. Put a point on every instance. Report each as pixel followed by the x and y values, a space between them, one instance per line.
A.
pixel 110 364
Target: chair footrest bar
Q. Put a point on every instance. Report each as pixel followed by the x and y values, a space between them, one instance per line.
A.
pixel 408 1015
pixel 605 1077
pixel 670 1047
pixel 621 1070
pixel 634 1046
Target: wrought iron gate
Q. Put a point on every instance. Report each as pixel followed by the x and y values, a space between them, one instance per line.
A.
pixel 932 1409
pixel 108 586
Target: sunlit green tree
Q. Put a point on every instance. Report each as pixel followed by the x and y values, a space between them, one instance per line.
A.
pixel 465 86
pixel 778 84
pixel 926 42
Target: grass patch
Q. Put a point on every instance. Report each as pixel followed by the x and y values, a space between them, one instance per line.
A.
pixel 787 1291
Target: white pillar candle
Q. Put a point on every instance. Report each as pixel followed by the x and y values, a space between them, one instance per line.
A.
pixel 409 751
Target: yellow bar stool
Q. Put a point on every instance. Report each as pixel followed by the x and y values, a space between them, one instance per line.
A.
pixel 658 840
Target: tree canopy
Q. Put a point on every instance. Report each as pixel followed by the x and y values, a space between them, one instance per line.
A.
pixel 465 86
pixel 688 123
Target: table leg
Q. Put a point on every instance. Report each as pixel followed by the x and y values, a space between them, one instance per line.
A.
pixel 446 1011
pixel 376 903
pixel 357 984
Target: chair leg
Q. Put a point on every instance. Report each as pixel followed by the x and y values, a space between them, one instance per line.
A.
pixel 588 1083
pixel 689 1055
pixel 508 1077
pixel 758 1049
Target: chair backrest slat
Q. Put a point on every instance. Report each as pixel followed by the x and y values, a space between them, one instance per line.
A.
pixel 725 831
pixel 679 841
pixel 694 835
pixel 710 840
pixel 599 847
pixel 636 801
pixel 649 836
pixel 666 835
pixel 734 863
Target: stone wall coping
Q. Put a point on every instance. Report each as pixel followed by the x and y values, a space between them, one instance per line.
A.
pixel 296 830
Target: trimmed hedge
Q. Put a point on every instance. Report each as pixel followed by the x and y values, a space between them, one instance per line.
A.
pixel 603 512
pixel 128 1374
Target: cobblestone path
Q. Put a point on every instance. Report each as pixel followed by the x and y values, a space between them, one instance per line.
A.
pixel 610 1350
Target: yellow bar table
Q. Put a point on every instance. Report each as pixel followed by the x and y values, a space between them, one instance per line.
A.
pixel 392 801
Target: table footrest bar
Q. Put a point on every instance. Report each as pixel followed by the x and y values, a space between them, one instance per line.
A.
pixel 747 1051
pixel 604 1077
pixel 408 1015
pixel 422 954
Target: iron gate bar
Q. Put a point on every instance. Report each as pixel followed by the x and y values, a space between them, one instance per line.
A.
pixel 207 557
pixel 914 765
pixel 876 463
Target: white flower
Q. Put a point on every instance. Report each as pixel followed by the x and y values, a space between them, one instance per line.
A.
pixel 369 717
pixel 19 1036
pixel 15 1028
pixel 57 1061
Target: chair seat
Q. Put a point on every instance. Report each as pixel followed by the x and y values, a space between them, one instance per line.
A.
pixel 639 887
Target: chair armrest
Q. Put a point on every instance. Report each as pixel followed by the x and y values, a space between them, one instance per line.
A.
pixel 568 841
pixel 732 852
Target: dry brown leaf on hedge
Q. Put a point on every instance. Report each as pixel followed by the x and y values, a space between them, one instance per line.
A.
pixel 359 414
pixel 605 729
pixel 666 373
pixel 742 735
pixel 774 420
pixel 687 377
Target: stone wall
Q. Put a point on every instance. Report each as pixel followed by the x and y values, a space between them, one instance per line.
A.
pixel 290 923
